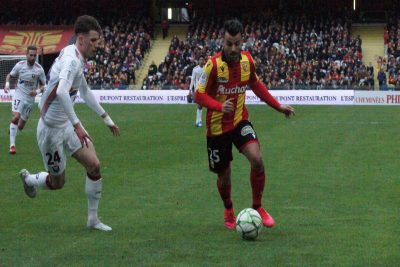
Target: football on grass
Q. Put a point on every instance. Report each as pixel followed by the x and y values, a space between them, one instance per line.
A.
pixel 248 224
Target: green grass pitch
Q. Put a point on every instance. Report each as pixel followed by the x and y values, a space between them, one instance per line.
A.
pixel 333 187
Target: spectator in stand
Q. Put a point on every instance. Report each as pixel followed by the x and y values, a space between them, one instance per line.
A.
pixel 125 43
pixel 165 27
pixel 382 80
pixel 152 69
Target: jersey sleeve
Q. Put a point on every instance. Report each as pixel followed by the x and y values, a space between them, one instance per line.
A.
pixel 253 75
pixel 89 98
pixel 206 81
pixel 69 70
pixel 15 71
pixel 259 87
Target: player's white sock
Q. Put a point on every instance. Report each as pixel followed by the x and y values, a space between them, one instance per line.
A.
pixel 93 193
pixel 13 133
pixel 37 180
pixel 198 115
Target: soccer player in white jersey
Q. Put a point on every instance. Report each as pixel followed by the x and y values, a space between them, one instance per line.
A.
pixel 59 130
pixel 31 81
pixel 196 74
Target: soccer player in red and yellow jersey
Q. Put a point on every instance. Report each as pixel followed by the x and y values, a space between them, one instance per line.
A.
pixel 222 89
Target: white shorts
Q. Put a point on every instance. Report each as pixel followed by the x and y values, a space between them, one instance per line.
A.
pixel 54 144
pixel 22 107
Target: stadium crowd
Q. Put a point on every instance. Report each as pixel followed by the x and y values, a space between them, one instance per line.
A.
pixel 290 53
pixel 126 40
pixel 392 52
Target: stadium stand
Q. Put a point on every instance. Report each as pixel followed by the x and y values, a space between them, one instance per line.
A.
pixel 126 38
pixel 392 63
pixel 313 51
pixel 296 52
pixel 125 43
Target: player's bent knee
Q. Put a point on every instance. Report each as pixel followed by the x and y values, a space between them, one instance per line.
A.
pixel 93 170
pixel 21 125
pixel 15 120
pixel 257 164
pixel 59 184
pixel 56 182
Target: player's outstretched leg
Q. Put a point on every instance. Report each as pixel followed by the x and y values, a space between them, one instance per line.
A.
pixel 33 181
pixel 30 190
pixel 93 192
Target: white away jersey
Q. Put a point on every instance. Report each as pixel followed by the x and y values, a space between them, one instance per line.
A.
pixel 69 65
pixel 28 78
pixel 196 74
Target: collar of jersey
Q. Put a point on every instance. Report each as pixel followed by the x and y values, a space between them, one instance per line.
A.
pixel 80 55
pixel 223 57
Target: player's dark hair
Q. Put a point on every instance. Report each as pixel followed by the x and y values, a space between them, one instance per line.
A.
pixel 85 24
pixel 201 56
pixel 233 27
pixel 31 47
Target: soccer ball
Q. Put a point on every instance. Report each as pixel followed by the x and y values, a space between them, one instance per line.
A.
pixel 248 224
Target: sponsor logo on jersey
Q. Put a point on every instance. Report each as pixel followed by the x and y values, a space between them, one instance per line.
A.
pixel 222 80
pixel 222 90
pixel 27 83
pixel 248 130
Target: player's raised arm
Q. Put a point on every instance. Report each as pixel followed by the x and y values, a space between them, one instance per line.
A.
pixel 90 100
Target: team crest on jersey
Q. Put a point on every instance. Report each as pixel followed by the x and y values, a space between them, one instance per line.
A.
pixel 33 76
pixel 245 66
pixel 248 130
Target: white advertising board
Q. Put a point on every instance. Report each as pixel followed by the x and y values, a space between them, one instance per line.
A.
pixel 291 97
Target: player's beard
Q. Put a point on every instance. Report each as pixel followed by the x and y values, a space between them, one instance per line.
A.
pixel 234 57
pixel 31 62
pixel 91 53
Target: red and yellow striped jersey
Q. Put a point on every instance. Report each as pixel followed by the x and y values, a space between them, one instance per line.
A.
pixel 222 81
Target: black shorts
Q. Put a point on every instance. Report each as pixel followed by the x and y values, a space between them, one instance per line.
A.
pixel 220 147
